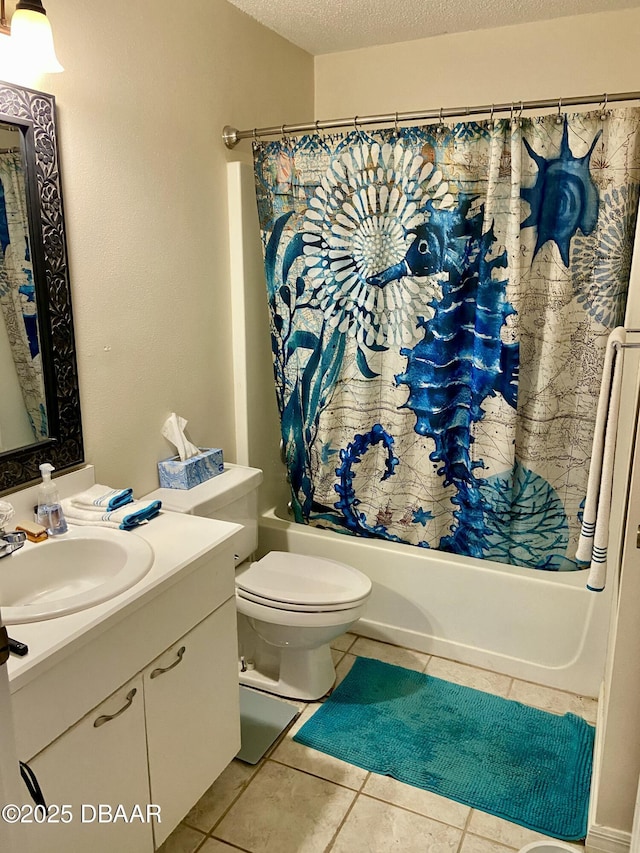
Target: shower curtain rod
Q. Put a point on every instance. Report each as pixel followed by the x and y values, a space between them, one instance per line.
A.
pixel 231 136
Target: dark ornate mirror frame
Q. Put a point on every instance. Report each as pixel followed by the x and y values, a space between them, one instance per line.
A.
pixel 34 113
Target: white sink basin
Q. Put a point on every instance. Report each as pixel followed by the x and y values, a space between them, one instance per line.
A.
pixel 71 572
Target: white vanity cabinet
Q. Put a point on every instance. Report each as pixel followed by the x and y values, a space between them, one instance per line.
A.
pixel 191 718
pixel 168 728
pixel 102 759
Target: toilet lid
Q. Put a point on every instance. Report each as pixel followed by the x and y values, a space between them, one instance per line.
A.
pixel 300 580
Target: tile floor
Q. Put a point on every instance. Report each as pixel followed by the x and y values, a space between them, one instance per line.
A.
pixel 297 800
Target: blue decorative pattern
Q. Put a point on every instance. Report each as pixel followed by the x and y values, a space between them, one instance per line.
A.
pixel 176 474
pixel 602 264
pixel 461 361
pixel 525 522
pixel 443 333
pixel 347 504
pixel 564 197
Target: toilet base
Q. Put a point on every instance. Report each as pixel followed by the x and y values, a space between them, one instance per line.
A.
pixel 306 674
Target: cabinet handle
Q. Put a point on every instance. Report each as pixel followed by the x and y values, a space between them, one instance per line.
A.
pixel 4 645
pixel 106 718
pixel 162 669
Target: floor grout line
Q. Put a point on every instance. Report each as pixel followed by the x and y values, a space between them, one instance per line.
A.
pixel 229 843
pixel 413 811
pixel 200 843
pixel 282 736
pixel 315 775
pixel 464 830
pixel 232 803
pixel 335 835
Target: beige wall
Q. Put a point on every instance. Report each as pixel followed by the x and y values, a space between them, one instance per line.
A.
pixel 581 55
pixel 146 91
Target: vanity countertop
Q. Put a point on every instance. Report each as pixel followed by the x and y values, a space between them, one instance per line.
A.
pixel 180 544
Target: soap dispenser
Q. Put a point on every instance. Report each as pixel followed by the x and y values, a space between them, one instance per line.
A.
pixel 50 514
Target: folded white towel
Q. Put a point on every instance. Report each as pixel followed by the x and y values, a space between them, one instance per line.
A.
pixel 102 497
pixel 125 518
pixel 594 536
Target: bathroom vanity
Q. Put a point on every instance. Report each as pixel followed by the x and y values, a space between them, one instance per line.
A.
pixel 132 704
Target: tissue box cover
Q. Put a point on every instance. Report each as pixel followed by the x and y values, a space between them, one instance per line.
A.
pixel 175 474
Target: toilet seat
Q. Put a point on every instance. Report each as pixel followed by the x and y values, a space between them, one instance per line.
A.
pixel 309 620
pixel 300 608
pixel 299 583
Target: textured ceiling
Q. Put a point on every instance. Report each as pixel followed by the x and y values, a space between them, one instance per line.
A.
pixel 327 26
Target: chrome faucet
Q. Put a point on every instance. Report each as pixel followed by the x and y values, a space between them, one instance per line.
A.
pixel 11 541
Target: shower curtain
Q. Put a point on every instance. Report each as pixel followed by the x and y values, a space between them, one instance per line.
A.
pixel 440 299
pixel 17 290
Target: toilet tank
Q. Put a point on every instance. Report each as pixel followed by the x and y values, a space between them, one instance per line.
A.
pixel 230 496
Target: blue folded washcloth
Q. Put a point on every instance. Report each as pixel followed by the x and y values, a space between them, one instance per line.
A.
pixel 126 518
pixel 102 497
pixel 137 513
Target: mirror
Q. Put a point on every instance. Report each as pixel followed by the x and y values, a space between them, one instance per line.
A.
pixel 40 408
pixel 23 417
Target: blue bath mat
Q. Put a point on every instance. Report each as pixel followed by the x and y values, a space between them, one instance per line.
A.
pixel 518 763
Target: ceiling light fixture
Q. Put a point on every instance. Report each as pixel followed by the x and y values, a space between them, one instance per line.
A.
pixel 31 36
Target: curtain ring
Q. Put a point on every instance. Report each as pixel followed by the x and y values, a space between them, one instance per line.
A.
pixel 604 114
pixel 440 127
pixel 255 134
pixel 318 133
pixel 511 115
pixel 355 124
pixel 396 125
pixel 559 116
pixel 491 123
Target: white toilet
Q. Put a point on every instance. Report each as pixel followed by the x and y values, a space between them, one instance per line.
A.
pixel 290 606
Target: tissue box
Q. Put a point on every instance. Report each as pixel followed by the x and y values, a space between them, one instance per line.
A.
pixel 175 474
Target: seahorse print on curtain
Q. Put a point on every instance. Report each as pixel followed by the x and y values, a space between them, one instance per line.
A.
pixel 440 299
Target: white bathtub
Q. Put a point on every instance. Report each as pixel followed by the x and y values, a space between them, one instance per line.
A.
pixel 538 626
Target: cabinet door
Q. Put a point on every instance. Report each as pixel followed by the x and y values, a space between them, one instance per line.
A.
pixel 102 760
pixel 193 719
